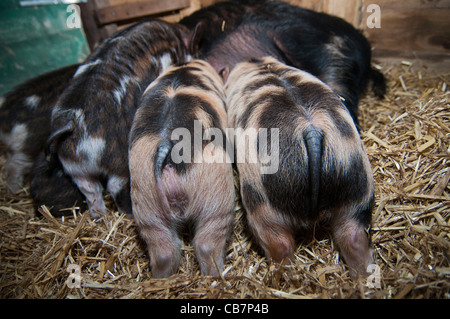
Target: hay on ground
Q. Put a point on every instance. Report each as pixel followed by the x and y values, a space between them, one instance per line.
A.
pixel 407 138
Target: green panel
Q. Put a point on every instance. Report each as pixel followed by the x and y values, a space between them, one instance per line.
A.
pixel 36 39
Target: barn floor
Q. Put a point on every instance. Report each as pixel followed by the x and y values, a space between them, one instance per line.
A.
pixel 407 137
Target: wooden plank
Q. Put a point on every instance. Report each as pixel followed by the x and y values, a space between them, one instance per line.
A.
pixel 172 17
pixel 138 9
pixel 411 29
pixel 101 3
pixel 90 28
pixel 119 2
pixel 412 4
pixel 206 3
pixel 307 4
pixel 430 56
pixel 349 10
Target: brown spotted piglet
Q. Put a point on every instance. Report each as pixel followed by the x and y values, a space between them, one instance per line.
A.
pixel 92 119
pixel 25 114
pixel 321 174
pixel 180 173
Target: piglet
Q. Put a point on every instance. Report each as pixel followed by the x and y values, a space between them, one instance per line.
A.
pixel 92 119
pixel 25 114
pixel 188 182
pixel 322 172
pixel 326 46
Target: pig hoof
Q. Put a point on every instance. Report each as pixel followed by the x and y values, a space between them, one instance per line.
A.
pixel 13 188
pixel 96 215
pixel 163 265
pixel 13 184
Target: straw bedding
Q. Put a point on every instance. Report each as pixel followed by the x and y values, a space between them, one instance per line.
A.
pixel 407 138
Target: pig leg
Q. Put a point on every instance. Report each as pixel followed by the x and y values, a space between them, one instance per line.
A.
pixel 164 248
pixel 212 210
pixel 272 232
pixel 152 212
pixel 162 221
pixel 17 165
pixel 159 231
pixel 269 226
pixel 119 188
pixel 352 239
pixel 209 245
pixel 211 238
pixel 93 191
pixel 276 239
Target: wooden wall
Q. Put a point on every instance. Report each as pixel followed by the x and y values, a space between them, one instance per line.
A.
pixel 408 28
pixel 101 18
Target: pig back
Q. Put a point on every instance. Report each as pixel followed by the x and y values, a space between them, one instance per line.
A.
pixel 322 164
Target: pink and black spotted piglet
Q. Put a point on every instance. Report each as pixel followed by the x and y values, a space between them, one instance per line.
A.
pixel 323 173
pixel 173 186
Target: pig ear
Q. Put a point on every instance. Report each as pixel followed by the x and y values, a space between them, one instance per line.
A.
pixel 224 73
pixel 185 35
pixel 285 54
pixel 193 43
pixel 55 137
